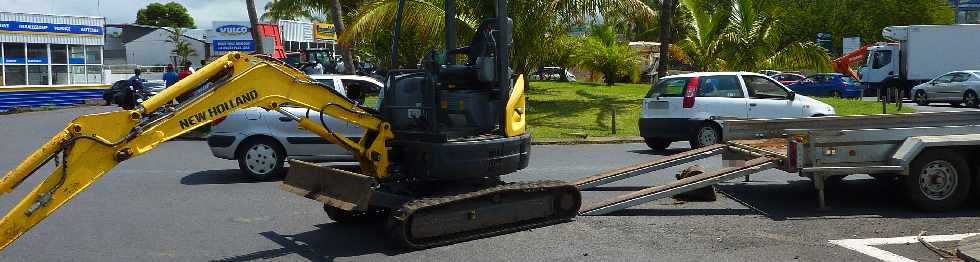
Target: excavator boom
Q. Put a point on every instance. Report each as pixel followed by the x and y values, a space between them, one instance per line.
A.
pixel 91 145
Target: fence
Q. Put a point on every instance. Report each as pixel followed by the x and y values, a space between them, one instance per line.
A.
pixel 55 95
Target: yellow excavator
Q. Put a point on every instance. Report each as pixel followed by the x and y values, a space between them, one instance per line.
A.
pixel 431 155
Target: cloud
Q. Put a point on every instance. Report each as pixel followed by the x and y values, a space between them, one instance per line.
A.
pixel 124 11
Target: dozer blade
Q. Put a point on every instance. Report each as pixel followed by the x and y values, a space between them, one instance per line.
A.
pixel 334 187
pixel 437 221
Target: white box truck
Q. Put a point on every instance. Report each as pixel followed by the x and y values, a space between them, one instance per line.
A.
pixel 920 53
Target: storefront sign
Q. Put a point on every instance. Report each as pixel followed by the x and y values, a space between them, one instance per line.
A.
pixel 326 33
pixel 18 27
pixel 232 36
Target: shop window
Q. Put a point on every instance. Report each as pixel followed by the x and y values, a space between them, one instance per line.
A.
pixel 78 74
pixel 37 75
pixel 94 73
pixel 93 54
pixel 59 54
pixel 13 53
pixel 37 54
pixel 76 54
pixel 15 74
pixel 59 75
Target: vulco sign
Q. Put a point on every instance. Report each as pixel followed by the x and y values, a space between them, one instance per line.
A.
pixel 232 36
pixel 232 30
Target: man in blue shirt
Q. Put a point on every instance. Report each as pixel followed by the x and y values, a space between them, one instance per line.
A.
pixel 170 77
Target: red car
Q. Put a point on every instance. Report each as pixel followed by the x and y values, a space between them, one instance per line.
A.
pixel 788 78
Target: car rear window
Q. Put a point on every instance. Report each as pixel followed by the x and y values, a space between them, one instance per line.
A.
pixel 671 87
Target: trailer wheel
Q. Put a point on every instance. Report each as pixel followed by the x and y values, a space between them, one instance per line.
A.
pixel 937 181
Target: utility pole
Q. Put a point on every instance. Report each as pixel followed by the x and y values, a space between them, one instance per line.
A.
pixel 254 20
pixel 666 8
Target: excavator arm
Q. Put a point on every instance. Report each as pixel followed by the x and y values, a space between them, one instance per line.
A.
pixel 91 145
pixel 843 64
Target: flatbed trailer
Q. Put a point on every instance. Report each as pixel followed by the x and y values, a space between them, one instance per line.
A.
pixel 932 156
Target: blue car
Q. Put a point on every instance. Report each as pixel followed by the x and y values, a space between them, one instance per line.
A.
pixel 830 85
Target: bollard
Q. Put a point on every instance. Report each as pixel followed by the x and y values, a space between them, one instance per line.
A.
pixel 613 120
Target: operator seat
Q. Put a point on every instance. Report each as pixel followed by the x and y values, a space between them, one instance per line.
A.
pixel 479 69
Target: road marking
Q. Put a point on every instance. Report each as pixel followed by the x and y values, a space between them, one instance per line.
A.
pixel 865 246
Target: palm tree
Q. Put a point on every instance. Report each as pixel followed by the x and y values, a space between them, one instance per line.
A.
pixel 601 52
pixel 535 22
pixel 182 49
pixel 745 35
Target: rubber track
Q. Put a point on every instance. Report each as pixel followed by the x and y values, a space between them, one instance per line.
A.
pixel 398 225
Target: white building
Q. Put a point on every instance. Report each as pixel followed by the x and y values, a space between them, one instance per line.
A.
pixel 39 49
pixel 149 45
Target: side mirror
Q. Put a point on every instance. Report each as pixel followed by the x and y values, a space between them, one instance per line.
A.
pixel 791 96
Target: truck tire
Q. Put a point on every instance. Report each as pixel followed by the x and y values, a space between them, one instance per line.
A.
pixel 938 180
pixel 970 99
pixel 658 144
pixel 920 98
pixel 261 158
pixel 705 135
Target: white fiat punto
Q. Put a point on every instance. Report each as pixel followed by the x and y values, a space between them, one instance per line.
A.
pixel 681 107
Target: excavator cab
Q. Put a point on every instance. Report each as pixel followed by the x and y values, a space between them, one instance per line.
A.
pixel 447 116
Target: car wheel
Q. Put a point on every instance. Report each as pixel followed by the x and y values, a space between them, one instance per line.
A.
pixel 657 143
pixel 262 158
pixel 937 181
pixel 920 98
pixel 970 99
pixel 706 135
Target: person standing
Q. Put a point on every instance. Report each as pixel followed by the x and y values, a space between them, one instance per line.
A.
pixel 341 69
pixel 170 77
pixel 184 72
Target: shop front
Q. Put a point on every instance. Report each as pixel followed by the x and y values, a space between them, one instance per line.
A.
pixel 39 50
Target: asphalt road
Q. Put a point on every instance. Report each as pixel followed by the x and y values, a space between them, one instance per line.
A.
pixel 178 203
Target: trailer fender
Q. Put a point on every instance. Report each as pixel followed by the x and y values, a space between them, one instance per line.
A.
pixel 913 146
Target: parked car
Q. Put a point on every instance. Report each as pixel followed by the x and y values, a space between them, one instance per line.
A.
pixel 679 107
pixel 828 85
pixel 261 140
pixel 955 88
pixel 551 73
pixel 788 78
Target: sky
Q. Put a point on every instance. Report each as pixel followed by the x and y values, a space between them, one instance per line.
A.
pixel 124 11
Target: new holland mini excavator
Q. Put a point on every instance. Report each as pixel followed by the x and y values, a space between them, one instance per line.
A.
pixel 431 155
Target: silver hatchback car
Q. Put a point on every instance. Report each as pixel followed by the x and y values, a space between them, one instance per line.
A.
pixel 956 88
pixel 262 140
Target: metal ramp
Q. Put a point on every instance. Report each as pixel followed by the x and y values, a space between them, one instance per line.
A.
pixel 757 160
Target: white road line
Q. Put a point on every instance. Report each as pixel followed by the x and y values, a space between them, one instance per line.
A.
pixel 865 246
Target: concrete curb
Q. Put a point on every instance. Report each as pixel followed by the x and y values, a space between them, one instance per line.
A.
pixel 969 249
pixel 591 140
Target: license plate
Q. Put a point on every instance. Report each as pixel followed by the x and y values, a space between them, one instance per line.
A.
pixel 658 105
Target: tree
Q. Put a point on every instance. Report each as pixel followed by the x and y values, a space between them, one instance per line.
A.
pixel 165 15
pixel 182 49
pixel 745 35
pixel 535 22
pixel 601 52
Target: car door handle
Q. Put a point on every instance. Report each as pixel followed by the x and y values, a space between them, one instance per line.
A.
pixel 753 104
pixel 285 119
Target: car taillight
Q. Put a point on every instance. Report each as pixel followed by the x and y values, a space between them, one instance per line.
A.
pixel 690 92
pixel 218 121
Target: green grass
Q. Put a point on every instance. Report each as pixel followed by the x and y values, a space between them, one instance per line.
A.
pixel 564 110
pixel 567 110
pixel 848 107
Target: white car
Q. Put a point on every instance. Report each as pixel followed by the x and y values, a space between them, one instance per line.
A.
pixel 956 88
pixel 262 140
pixel 680 107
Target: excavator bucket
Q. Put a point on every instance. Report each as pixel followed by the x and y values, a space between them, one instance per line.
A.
pixel 334 187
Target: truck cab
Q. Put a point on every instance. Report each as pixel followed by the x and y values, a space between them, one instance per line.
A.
pixel 882 64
